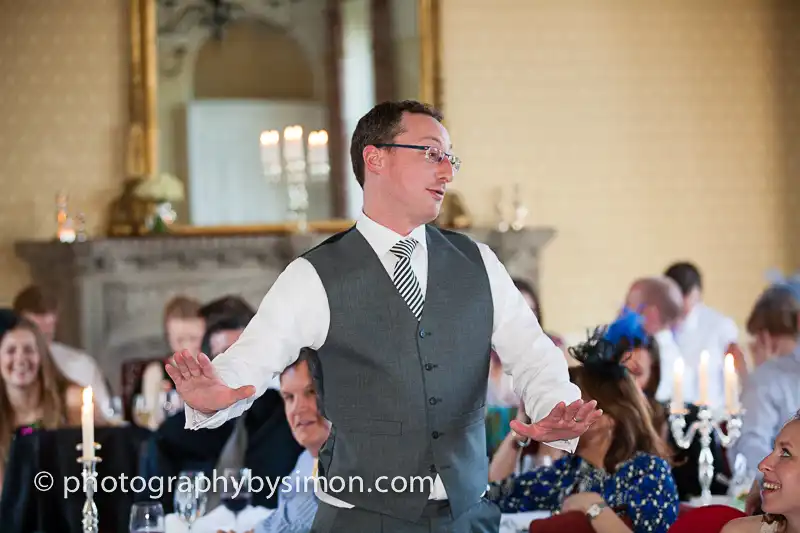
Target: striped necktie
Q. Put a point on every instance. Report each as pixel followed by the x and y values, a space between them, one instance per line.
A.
pixel 404 278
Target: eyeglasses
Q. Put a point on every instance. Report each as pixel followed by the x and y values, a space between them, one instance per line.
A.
pixel 432 154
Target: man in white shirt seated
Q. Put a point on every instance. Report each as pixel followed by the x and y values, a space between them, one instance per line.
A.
pixel 659 301
pixel 41 308
pixel 705 329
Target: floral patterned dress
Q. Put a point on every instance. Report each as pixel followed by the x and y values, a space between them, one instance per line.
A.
pixel 642 486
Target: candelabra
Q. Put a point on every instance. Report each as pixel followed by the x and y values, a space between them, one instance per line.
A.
pixel 706 426
pixel 89 520
pixel 296 165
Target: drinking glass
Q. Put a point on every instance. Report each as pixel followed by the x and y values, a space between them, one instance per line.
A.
pixel 190 496
pixel 146 517
pixel 235 494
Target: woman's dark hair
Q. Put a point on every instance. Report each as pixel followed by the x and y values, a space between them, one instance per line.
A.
pixel 525 287
pixel 227 313
pixel 621 399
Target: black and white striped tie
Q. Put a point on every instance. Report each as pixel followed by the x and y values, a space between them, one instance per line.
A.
pixel 404 278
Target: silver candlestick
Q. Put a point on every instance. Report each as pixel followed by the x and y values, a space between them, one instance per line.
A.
pixel 706 426
pixel 89 520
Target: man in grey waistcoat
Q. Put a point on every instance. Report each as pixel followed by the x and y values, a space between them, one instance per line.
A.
pixel 403 316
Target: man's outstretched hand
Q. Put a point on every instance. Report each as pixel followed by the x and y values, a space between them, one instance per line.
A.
pixel 199 385
pixel 563 423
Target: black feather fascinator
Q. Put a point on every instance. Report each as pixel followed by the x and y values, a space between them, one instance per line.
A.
pixel 602 353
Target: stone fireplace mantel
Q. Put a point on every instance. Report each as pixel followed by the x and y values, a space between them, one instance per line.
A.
pixel 112 291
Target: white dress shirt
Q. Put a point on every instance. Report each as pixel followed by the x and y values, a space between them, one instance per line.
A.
pixel 669 352
pixel 706 329
pixel 295 314
pixel 82 369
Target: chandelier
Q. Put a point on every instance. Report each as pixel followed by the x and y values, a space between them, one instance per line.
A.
pixel 177 16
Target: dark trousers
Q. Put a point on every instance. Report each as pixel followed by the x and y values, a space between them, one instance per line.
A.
pixel 483 517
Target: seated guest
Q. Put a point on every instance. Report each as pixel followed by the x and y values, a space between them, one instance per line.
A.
pixel 660 302
pixel 779 488
pixel 771 393
pixel 183 329
pixel 40 307
pixel 33 391
pixel 501 399
pixel 260 440
pixel 702 327
pixel 620 462
pixel 297 504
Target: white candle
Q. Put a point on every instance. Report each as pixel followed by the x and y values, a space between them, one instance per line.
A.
pixel 293 144
pixel 318 158
pixel 703 377
pixel 677 392
pixel 270 152
pixel 87 423
pixel 731 386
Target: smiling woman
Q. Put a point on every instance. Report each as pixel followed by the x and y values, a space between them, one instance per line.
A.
pixel 251 104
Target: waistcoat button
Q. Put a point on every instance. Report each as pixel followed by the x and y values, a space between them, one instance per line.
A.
pixel 435 434
pixel 422 334
pixel 432 469
pixel 428 366
pixel 432 401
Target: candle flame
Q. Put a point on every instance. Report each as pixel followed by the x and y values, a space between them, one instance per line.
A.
pixel 730 365
pixel 318 138
pixel 269 137
pixel 87 396
pixel 293 133
pixel 678 368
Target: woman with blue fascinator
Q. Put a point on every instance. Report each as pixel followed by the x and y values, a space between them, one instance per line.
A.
pixel 619 477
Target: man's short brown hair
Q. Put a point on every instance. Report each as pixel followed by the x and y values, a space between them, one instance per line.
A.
pixel 381 125
pixel 664 294
pixel 182 307
pixel 35 300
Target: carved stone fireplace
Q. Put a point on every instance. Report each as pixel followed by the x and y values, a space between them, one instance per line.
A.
pixel 113 291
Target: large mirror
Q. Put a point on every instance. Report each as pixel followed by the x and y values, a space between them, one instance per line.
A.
pixel 250 104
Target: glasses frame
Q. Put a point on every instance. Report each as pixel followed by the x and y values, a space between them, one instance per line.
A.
pixel 455 161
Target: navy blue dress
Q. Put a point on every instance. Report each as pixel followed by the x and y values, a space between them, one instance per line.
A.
pixel 643 486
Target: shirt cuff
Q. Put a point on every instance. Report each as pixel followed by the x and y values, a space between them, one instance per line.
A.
pixel 568 446
pixel 196 420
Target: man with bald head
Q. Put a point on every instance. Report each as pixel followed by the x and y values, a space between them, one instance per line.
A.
pixel 659 301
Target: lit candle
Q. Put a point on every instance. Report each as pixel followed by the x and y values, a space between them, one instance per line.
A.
pixel 677 392
pixel 731 386
pixel 293 144
pixel 703 377
pixel 318 152
pixel 87 423
pixel 270 152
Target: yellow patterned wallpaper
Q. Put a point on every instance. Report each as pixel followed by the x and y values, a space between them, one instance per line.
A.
pixel 63 113
pixel 644 132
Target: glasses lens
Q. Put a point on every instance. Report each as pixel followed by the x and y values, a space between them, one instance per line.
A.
pixel 434 155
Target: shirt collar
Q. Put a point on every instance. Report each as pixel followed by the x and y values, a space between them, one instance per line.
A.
pixel 382 238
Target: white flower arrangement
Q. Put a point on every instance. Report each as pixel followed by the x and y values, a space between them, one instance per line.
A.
pixel 164 188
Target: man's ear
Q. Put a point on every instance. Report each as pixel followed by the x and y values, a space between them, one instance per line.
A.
pixel 373 159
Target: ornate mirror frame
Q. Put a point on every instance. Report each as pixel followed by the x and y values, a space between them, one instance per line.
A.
pixel 142 142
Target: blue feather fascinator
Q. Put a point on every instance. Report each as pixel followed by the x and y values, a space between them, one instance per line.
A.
pixel 602 353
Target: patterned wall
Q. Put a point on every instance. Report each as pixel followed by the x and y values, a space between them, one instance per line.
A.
pixel 63 113
pixel 644 132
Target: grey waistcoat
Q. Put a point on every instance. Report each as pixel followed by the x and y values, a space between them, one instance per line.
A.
pixel 406 399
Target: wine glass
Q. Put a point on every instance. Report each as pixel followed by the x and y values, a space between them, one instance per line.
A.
pixel 146 517
pixel 141 414
pixel 190 497
pixel 236 494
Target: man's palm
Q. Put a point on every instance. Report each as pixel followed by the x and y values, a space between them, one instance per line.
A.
pixel 563 422
pixel 201 387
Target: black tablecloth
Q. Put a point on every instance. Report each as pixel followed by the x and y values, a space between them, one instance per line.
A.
pixel 25 509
